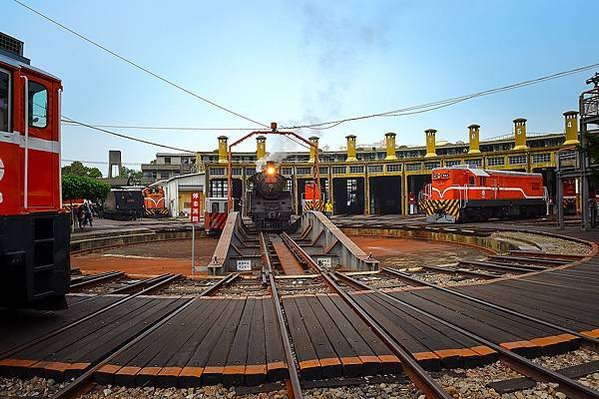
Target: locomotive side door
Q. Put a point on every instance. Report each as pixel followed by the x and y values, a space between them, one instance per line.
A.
pixel 10 177
pixel 37 119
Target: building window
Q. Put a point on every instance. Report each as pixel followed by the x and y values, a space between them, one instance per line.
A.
pixel 250 171
pixel 496 161
pixel 5 101
pixel 38 105
pixel 287 171
pixel 413 166
pixel 218 188
pixel 217 171
pixel 375 168
pixel 517 159
pixel 541 158
pixel 356 169
pixel 167 160
pixel 352 191
pixel 475 162
pixel 289 185
pixel 431 165
pixel 154 175
pixel 303 171
pixel 164 175
pixel 338 170
pixel 323 170
pixel 394 167
pixel 236 171
pixel 453 162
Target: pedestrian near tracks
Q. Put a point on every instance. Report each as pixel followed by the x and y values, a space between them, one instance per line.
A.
pixel 328 209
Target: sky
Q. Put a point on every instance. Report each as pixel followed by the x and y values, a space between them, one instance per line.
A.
pixel 304 61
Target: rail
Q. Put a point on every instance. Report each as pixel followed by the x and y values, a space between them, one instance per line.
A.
pixel 83 382
pixel 571 387
pixel 412 369
pixel 295 386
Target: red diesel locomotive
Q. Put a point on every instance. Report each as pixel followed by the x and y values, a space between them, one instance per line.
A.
pixel 34 228
pixel 462 194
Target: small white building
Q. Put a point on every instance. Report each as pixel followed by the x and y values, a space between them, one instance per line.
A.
pixel 178 190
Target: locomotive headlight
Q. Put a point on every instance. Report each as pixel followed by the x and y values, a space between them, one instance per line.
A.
pixel 270 170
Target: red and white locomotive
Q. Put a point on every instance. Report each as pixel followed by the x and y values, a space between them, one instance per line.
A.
pixel 34 228
pixel 462 194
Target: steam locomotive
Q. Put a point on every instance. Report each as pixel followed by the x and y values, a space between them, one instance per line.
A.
pixel 270 200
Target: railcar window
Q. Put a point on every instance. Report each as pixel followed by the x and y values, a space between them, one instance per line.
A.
pixel 38 105
pixel 4 101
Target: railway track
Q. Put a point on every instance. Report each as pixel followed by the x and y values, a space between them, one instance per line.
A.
pixel 84 382
pixel 416 373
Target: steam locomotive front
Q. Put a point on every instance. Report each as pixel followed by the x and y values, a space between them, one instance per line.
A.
pixel 270 200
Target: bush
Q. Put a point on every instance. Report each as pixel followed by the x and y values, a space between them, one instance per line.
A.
pixel 74 187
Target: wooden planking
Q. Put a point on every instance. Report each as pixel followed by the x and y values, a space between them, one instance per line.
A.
pixel 234 366
pixel 256 364
pixel 307 358
pixel 275 363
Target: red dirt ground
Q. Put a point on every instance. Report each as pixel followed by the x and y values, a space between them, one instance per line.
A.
pixel 175 256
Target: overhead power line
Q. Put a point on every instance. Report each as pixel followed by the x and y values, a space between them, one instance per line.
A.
pixel 136 65
pixel 427 107
pixel 170 128
pixel 124 136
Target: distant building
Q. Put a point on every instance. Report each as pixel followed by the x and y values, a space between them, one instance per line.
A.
pixel 178 190
pixel 167 165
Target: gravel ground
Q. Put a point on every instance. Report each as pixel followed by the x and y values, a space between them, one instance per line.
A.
pixel 103 288
pixel 382 391
pixel 573 358
pixel 244 288
pixel 547 243
pixel 35 387
pixel 445 279
pixel 382 281
pixel 302 286
pixel 185 287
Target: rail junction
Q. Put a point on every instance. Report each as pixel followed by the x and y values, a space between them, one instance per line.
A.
pixel 319 310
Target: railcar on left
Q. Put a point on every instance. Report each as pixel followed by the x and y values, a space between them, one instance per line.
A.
pixel 34 227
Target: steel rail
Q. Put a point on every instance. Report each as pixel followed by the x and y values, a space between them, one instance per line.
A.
pixel 499 267
pixel 83 382
pixel 420 377
pixel 532 260
pixel 593 342
pixel 520 364
pixel 294 386
pixel 83 280
pixel 463 271
pixel 62 329
pixel 163 278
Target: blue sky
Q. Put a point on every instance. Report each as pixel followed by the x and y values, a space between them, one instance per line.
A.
pixel 299 61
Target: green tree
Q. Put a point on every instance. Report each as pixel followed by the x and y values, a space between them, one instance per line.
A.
pixel 78 169
pixel 74 186
pixel 134 176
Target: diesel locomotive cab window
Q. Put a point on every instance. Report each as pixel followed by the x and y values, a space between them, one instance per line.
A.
pixel 4 101
pixel 38 105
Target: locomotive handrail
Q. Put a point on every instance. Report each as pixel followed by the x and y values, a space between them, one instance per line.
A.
pixel 26 155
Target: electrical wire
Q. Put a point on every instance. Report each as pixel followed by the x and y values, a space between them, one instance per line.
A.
pixel 427 107
pixel 124 136
pixel 141 68
pixel 174 128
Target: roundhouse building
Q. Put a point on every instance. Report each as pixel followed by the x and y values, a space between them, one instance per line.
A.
pixel 388 178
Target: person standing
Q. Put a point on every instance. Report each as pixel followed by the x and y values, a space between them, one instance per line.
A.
pixel 328 210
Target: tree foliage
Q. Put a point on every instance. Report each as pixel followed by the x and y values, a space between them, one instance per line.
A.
pixel 78 169
pixel 135 177
pixel 75 186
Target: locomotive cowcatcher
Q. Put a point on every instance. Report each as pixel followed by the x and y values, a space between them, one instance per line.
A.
pixel 461 194
pixel 34 228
